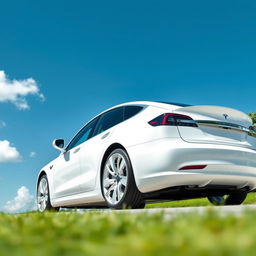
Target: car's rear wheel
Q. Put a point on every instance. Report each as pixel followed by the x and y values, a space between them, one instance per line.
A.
pixel 118 183
pixel 235 198
pixel 43 195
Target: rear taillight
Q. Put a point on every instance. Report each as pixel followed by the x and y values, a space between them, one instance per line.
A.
pixel 172 119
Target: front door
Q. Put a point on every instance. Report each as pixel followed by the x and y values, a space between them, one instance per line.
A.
pixel 67 171
pixel 66 174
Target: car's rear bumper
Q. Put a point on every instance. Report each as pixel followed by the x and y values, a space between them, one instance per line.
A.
pixel 156 165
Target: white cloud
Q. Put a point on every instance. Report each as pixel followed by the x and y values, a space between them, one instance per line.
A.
pixel 2 124
pixel 23 201
pixel 32 154
pixel 8 153
pixel 16 91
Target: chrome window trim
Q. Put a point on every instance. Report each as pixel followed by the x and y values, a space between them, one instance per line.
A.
pixel 250 131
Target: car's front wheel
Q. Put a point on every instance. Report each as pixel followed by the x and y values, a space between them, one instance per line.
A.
pixel 43 195
pixel 118 183
pixel 234 198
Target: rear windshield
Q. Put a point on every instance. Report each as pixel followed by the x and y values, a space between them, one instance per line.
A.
pixel 175 103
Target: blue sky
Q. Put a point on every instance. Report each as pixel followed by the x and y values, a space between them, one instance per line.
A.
pixel 86 56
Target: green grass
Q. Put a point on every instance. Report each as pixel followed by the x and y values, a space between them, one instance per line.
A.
pixel 251 199
pixel 110 234
pixel 118 233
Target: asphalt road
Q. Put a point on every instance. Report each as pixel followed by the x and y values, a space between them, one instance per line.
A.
pixel 225 210
pixel 170 212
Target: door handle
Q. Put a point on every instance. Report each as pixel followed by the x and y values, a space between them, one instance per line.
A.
pixel 75 151
pixel 105 135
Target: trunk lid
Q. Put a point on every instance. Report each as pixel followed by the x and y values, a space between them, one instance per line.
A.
pixel 217 125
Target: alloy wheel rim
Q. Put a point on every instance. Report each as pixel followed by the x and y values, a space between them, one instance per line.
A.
pixel 115 178
pixel 42 195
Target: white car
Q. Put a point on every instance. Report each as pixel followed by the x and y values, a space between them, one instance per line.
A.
pixel 142 151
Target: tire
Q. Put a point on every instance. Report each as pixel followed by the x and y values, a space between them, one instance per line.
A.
pixel 234 198
pixel 43 196
pixel 118 184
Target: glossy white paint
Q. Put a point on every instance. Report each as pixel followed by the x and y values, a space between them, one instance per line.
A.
pixel 157 154
pixel 160 168
pixel 90 159
pixel 67 174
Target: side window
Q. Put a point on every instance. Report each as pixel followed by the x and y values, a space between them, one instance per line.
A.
pixel 130 111
pixel 110 119
pixel 83 135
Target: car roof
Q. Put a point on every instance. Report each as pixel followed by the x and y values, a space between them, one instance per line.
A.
pixel 150 103
pixel 159 104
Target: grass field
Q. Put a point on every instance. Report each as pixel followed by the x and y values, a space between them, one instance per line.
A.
pixel 105 234
pixel 112 233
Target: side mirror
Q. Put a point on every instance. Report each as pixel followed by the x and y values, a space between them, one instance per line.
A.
pixel 59 144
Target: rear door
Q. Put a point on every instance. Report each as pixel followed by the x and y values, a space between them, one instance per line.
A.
pixel 218 125
pixel 91 151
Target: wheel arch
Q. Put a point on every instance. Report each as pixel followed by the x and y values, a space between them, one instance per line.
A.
pixel 42 173
pixel 107 152
pixel 138 196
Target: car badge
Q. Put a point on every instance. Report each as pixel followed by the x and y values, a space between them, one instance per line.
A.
pixel 226 116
